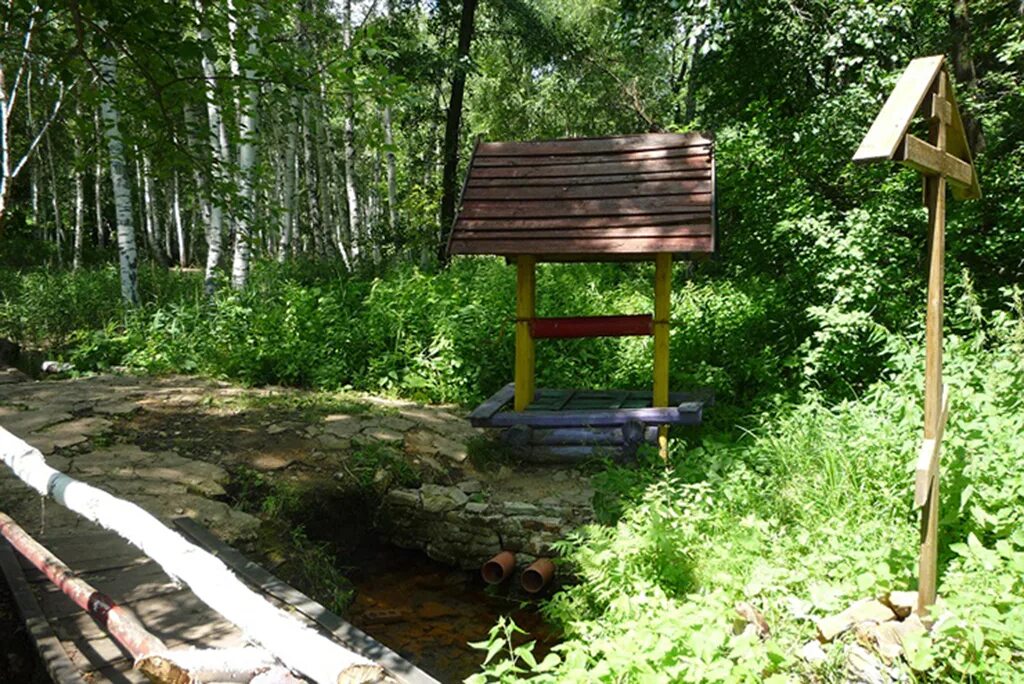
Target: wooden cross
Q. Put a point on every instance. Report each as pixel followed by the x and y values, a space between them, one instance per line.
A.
pixel 946 157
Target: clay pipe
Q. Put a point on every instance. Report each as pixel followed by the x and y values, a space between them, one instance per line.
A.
pixel 496 570
pixel 537 576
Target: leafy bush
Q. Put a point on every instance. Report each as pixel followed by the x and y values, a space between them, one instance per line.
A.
pixel 805 515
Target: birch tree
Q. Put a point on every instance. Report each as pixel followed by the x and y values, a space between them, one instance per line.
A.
pixel 11 164
pixel 127 253
pixel 246 154
pixel 355 235
pixel 220 155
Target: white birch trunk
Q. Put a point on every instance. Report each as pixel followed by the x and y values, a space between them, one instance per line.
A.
pixel 153 228
pixel 246 157
pixel 389 142
pixel 178 226
pixel 58 223
pixel 97 186
pixel 76 262
pixel 288 188
pixel 295 644
pixel 354 226
pixel 127 252
pixel 221 155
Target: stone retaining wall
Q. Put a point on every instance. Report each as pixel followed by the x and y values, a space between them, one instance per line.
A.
pixel 465 524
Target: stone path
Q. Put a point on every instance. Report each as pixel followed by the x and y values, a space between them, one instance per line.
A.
pixel 170 444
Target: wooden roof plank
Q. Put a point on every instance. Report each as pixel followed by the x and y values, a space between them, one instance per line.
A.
pixel 608 191
pixel 626 143
pixel 698 229
pixel 661 153
pixel 590 207
pixel 583 172
pixel 893 121
pixel 581 245
pixel 698 215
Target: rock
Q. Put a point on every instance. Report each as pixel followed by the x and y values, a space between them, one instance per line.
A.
pixel 862 667
pixel 470 486
pixel 862 611
pixel 384 434
pixel 455 451
pixel 396 423
pixel 887 638
pixel 270 462
pixel 116 408
pixel 409 498
pixel 903 603
pixel 333 442
pixel 439 499
pixel 342 425
pixel 752 617
pixel 276 429
pixel 420 443
pixel 813 653
pixel 560 476
pixel 520 508
pixel 476 508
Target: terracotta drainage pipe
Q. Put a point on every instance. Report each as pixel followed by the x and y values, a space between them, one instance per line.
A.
pixel 537 576
pixel 497 570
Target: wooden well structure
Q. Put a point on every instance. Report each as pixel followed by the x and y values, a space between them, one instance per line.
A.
pixel 624 198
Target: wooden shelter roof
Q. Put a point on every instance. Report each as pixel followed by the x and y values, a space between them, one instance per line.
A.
pixel 597 199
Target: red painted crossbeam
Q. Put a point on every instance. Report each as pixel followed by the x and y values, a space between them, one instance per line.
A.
pixel 592 326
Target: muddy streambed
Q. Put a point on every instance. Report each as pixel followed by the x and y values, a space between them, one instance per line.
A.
pixel 429 612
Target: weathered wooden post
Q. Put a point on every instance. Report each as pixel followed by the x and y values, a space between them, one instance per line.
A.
pixel 924 87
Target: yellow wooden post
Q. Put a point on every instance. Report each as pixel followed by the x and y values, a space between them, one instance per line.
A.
pixel 662 292
pixel 525 354
pixel 935 197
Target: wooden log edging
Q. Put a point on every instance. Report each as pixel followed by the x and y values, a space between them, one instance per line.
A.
pixel 296 645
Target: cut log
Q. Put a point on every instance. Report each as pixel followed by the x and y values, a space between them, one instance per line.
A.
pixel 295 644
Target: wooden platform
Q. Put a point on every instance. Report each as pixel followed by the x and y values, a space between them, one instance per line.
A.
pixel 76 650
pixel 562 425
pixel 590 408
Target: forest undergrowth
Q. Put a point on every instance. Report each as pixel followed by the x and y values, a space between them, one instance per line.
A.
pixel 794 496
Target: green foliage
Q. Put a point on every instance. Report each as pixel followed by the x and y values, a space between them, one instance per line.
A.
pixel 805 514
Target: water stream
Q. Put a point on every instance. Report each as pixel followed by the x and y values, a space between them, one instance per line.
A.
pixel 429 612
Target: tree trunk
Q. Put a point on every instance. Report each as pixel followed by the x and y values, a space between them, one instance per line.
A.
pixel 58 223
pixel 153 227
pixel 246 160
pixel 179 228
pixel 449 186
pixel 220 155
pixel 97 186
pixel 352 199
pixel 390 157
pixel 965 71
pixel 288 187
pixel 127 253
pixel 76 261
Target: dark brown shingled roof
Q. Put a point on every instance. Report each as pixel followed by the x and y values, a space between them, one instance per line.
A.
pixel 616 198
